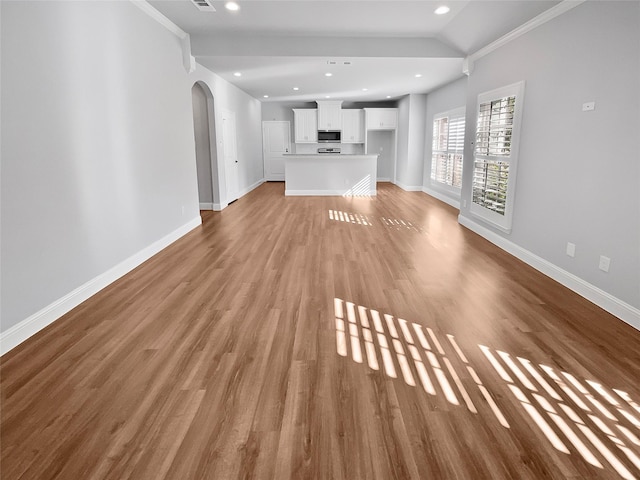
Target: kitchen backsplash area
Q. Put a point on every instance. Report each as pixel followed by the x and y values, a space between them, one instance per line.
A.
pixel 345 148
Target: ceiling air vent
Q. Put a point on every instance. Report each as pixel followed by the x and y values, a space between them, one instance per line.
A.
pixel 203 5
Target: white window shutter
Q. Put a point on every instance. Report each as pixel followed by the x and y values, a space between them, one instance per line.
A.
pixel 499 114
pixel 447 149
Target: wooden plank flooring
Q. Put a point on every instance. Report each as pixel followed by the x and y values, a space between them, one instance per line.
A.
pixel 326 338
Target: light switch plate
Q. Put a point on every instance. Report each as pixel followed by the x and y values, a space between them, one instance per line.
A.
pixel 571 249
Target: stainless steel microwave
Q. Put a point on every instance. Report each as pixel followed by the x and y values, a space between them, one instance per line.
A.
pixel 329 136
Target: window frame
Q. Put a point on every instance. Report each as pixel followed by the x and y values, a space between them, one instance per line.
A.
pixel 502 222
pixel 453 113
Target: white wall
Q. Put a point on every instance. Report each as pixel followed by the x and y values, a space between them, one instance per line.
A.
pixel 579 172
pixel 97 145
pixel 417 125
pixel 411 131
pixel 248 112
pixel 382 143
pixel 453 95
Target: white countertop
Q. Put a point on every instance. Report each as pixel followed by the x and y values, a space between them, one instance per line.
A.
pixel 330 154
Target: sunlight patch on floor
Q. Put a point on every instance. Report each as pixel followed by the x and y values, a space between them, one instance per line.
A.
pixel 404 348
pixel 400 224
pixel 357 218
pixel 577 415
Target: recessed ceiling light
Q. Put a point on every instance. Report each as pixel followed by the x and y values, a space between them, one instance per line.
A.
pixel 266 96
pixel 327 96
pixel 418 75
pixel 365 89
pixel 328 74
pixel 296 88
pixel 388 96
pixel 237 74
pixel 233 6
pixel 442 10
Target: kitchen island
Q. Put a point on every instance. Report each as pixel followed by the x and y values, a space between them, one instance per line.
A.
pixel 330 174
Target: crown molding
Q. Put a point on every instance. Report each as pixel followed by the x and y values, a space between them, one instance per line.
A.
pixel 535 22
pixel 160 18
pixel 188 60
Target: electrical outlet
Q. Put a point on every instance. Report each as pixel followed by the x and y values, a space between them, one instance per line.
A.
pixel 605 262
pixel 571 249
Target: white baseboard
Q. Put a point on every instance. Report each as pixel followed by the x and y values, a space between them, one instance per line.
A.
pixel 383 179
pixel 615 306
pixel 244 191
pixel 218 207
pixel 443 198
pixel 206 206
pixel 409 188
pixel 39 320
pixel 325 193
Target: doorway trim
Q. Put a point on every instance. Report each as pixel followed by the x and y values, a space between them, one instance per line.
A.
pixel 213 145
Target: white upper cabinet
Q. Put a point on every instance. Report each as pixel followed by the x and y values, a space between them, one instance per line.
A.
pixel 305 125
pixel 353 126
pixel 329 115
pixel 381 118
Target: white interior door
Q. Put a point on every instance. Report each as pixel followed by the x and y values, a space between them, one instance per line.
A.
pixel 230 148
pixel 276 141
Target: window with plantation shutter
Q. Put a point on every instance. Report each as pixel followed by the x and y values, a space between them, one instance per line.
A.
pixel 447 147
pixel 495 154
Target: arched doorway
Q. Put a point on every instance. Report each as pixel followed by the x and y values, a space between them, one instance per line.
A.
pixel 206 151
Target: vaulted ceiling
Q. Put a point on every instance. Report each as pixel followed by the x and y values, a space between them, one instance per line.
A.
pixel 374 50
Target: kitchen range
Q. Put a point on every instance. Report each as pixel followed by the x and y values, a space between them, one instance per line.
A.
pixel 326 150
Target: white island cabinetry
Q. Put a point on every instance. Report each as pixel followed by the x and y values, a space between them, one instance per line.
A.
pixel 337 175
pixel 305 125
pixel 353 126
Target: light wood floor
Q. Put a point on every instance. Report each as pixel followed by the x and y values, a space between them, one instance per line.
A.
pixel 326 338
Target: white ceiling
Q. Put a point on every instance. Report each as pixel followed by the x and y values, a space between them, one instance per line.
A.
pixel 281 44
